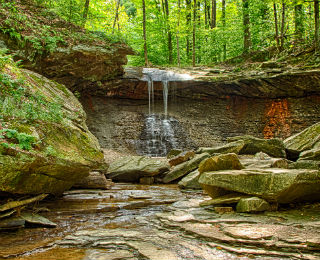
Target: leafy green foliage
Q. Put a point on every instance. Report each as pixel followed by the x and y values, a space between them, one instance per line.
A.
pixel 23 140
pixel 46 31
pixel 17 101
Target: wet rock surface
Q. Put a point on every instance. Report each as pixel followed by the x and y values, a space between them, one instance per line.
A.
pixel 273 184
pixel 119 123
pixel 160 222
pixel 132 168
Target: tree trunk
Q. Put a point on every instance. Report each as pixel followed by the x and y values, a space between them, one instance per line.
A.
pixel 283 23
pixel 116 16
pixel 214 14
pixel 178 45
pixel 276 24
pixel 194 33
pixel 246 26
pixel 188 18
pixel 298 22
pixel 316 24
pixel 208 14
pixel 224 29
pixel 169 31
pixel 146 62
pixel 85 12
pixel 205 14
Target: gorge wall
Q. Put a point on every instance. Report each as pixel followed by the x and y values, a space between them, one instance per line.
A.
pixel 119 123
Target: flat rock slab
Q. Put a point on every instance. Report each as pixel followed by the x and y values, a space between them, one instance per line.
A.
pixel 231 198
pixel 232 147
pixel 190 181
pixel 252 204
pixel 305 140
pixel 273 147
pixel 95 180
pixel 185 168
pixel 182 157
pixel 132 168
pixel 36 219
pixel 19 203
pixel 220 162
pixel 12 223
pixel 275 185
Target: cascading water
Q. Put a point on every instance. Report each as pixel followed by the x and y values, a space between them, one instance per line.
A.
pixel 161 132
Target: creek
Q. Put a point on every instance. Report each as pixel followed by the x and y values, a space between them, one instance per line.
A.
pixel 160 222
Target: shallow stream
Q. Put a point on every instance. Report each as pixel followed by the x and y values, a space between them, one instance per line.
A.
pixel 160 222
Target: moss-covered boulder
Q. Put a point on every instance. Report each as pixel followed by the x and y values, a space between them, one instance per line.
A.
pixel 190 181
pixel 45 145
pixel 305 140
pixel 220 162
pixel 57 49
pixel 273 185
pixel 184 168
pixel 132 168
pixel 253 204
pixel 233 147
pixel 252 145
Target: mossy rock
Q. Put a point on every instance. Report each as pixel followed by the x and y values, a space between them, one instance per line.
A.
pixel 252 145
pixel 66 150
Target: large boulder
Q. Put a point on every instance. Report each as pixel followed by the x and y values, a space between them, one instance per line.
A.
pixel 313 155
pixel 305 164
pixel 95 180
pixel 132 168
pixel 181 157
pixel 274 185
pixel 55 147
pixel 184 168
pixel 217 163
pixel 190 181
pixel 66 53
pixel 252 204
pixel 273 147
pixel 233 147
pixel 305 140
pixel 220 162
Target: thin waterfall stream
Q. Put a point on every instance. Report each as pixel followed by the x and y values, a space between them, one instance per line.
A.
pixel 161 131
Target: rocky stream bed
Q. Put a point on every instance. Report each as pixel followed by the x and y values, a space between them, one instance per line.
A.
pixel 161 222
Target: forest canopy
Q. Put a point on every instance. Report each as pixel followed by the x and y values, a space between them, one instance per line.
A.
pixel 196 32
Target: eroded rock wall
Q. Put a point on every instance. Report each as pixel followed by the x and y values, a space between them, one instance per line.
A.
pixel 118 123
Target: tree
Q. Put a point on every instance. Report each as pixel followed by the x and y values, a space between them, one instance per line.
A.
pixel 276 25
pixel 178 31
pixel 224 29
pixel 194 33
pixel 146 62
pixel 168 31
pixel 214 14
pixel 246 26
pixel 188 23
pixel 298 21
pixel 85 12
pixel 316 24
pixel 283 23
pixel 116 16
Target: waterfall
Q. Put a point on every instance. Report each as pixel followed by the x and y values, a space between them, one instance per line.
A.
pixel 165 85
pixel 151 95
pixel 161 133
pixel 159 136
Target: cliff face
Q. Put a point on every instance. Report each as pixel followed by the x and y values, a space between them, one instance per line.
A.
pixel 205 85
pixel 57 49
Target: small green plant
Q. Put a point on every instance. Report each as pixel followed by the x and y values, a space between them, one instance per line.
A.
pixel 50 151
pixel 23 140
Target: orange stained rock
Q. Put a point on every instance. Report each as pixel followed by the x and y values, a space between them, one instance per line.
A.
pixel 278 119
